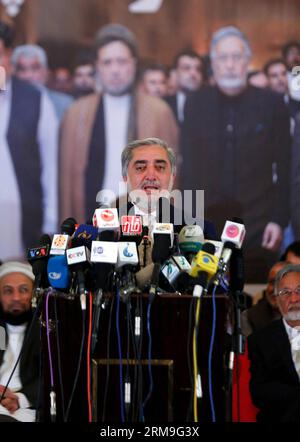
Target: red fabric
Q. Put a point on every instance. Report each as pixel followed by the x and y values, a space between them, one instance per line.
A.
pixel 247 411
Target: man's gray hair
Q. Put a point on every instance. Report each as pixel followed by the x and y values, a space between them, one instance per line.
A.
pixel 126 156
pixel 229 31
pixel 29 51
pixel 289 268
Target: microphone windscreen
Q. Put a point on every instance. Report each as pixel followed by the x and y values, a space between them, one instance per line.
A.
pixel 208 247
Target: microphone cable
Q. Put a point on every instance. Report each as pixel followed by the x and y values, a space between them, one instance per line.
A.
pixel 83 311
pixel 107 359
pixel 122 407
pixel 211 346
pixel 138 334
pixel 128 392
pixel 197 380
pixel 135 361
pixel 59 358
pixel 188 353
pixel 149 357
pixel 88 357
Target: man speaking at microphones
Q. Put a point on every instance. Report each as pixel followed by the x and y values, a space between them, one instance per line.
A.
pixel 149 170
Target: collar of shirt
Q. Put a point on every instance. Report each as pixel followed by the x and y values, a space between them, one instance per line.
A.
pixel 293 335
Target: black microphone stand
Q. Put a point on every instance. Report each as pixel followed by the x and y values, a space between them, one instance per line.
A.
pixel 237 341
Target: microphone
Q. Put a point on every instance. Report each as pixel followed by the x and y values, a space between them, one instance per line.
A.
pixel 85 234
pixel 38 258
pixel 61 241
pixel 163 235
pixel 131 226
pixel 233 236
pixel 128 260
pixel 78 258
pixel 206 261
pixel 68 226
pixel 58 272
pixel 191 239
pixel 107 219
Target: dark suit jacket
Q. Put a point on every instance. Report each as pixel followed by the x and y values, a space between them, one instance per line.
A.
pixel 172 102
pixel 258 316
pixel 29 364
pixel 261 158
pixel 295 180
pixel 274 384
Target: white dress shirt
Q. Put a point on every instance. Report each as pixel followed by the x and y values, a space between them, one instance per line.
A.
pixel 11 242
pixel 116 117
pixel 294 338
pixel 16 335
pixel 181 99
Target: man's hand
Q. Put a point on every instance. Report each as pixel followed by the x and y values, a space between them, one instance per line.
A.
pixel 10 401
pixel 272 237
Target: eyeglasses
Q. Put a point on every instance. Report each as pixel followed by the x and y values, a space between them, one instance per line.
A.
pixel 236 57
pixel 287 293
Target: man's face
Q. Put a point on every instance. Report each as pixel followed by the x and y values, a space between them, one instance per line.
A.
pixel 5 54
pixel 155 83
pixel 293 57
pixel 289 301
pixel 31 69
pixel 84 77
pixel 150 171
pixel 116 67
pixel 230 65
pixel 15 293
pixel 189 73
pixel 277 75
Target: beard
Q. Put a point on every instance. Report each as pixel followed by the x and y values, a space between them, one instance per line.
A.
pixel 17 318
pixel 292 315
pixel 233 83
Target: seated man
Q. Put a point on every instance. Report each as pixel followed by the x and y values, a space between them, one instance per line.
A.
pixel 265 310
pixel 261 314
pixel 16 287
pixel 274 354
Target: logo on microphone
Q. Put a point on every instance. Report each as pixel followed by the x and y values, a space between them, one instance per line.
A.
pixel 59 241
pixel 207 259
pixel 232 231
pixel 98 250
pixel 38 252
pixel 75 255
pixel 84 235
pixel 107 215
pixel 55 275
pixel 127 253
pixel 131 225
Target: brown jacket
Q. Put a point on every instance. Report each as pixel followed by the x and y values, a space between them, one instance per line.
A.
pixel 149 117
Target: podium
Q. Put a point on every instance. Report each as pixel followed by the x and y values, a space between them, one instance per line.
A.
pixel 170 399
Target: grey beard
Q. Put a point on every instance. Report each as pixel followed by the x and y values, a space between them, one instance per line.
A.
pixel 231 83
pixel 292 315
